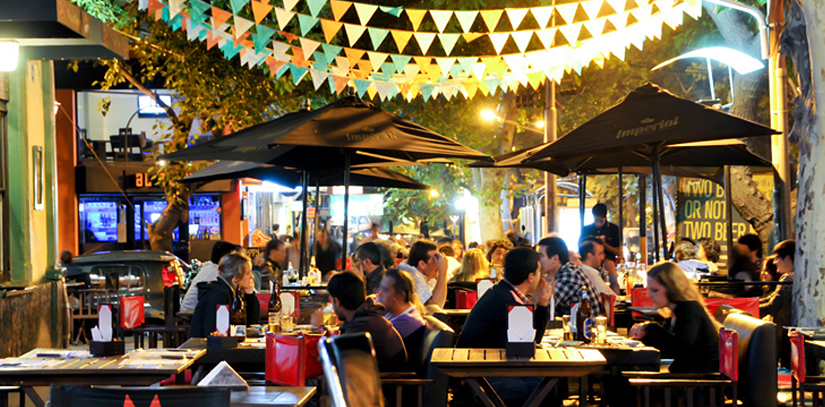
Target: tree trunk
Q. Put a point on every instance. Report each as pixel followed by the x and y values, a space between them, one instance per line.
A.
pixel 805 26
pixel 175 214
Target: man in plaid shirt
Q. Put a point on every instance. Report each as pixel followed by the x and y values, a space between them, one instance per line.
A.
pixel 569 278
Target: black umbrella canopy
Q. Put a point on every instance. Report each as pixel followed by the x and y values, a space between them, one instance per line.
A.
pixel 318 138
pixel 650 117
pixel 367 177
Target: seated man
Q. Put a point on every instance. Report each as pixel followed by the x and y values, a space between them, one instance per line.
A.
pixel 569 278
pixel 349 301
pixel 428 269
pixel 486 326
pixel 368 260
pixel 398 297
pixel 591 251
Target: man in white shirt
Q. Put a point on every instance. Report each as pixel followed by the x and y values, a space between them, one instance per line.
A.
pixel 208 272
pixel 428 269
pixel 591 251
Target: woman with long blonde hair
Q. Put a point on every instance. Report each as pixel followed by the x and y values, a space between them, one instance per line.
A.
pixel 473 266
pixel 690 336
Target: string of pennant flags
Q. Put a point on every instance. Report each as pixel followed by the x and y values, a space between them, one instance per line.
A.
pixel 569 42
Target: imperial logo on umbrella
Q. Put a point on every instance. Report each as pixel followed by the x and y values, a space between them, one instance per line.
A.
pixel 648 127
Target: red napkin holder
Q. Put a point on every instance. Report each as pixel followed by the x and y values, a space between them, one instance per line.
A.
pixel 465 299
pixel 292 359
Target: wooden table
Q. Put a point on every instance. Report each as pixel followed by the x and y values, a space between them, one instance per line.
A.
pixel 247 357
pixel 476 365
pixel 272 396
pixel 113 370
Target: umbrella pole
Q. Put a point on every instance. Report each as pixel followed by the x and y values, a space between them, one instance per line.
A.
pixel 302 270
pixel 728 212
pixel 661 192
pixel 344 245
pixel 642 219
pixel 582 197
pixel 621 214
pixel 317 219
pixel 655 211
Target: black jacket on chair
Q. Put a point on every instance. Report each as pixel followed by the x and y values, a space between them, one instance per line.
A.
pixel 214 293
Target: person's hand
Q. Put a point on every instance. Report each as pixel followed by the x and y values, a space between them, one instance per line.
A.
pixel 259 260
pixel 441 264
pixel 637 331
pixel 543 292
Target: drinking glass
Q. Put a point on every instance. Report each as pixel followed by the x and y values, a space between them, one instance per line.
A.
pixel 601 329
pixel 286 323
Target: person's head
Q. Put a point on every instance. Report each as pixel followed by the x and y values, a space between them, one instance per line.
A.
pixel 421 257
pixel 66 257
pixel 591 251
pixel 784 252
pixel 599 214
pixel 668 284
pixel 522 269
pixel 275 228
pixel 458 247
pixel 685 250
pixel 368 257
pixel 275 250
pixel 322 236
pixel 553 254
pixel 397 291
pixel 447 250
pixel 472 245
pixel 219 249
pixel 473 266
pixel 707 249
pixel 346 292
pixel 236 268
pixel 388 252
pixel 374 228
pixel 446 240
pixel 498 249
pixel 753 243
pixel 769 271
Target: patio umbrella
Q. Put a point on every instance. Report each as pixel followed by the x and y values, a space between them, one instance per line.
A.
pixel 346 133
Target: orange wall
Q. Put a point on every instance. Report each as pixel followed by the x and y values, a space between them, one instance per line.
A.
pixel 233 226
pixel 66 147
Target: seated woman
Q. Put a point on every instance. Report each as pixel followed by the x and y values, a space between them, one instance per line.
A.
pixel 707 251
pixel 769 273
pixel 473 266
pixel 234 273
pixel 689 336
pixel 777 305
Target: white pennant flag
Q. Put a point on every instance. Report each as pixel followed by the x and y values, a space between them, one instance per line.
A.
pixel 516 15
pixel 365 12
pixel 441 18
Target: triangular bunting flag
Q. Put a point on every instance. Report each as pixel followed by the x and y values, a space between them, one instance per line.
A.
pixel 298 57
pixel 354 32
pixel 212 39
pixel 361 86
pixel 424 40
pixel 288 36
pixel 199 6
pixel 415 17
pixel 298 73
pixel 290 4
pixel 354 55
pixel 423 63
pixel 567 12
pixel 384 89
pixel 516 15
pixel 616 5
pixel 492 84
pixel 242 25
pixel 571 32
pixel 283 17
pixel 309 46
pixel 274 65
pixel 261 38
pixel 596 26
pixel 330 28
pixel 371 91
pixel 340 83
pixel 522 39
pixel 306 23
pixel 320 61
pixel 426 91
pixel 154 6
pixel 535 79
pixel 491 18
pixel 260 10
pixel 410 71
pixel 445 64
pixel 498 40
pixel 480 71
pixel 315 6
pixel 456 71
pixel 377 35
pixel 127 402
pixel 471 87
pixel 483 89
pixel 517 63
pixel 466 19
pixel 606 10
pixel 400 62
pixel 365 12
pixel 674 18
pixel 467 63
pixel 592 7
pixel 470 37
pixel 339 8
pixel 219 17
pixel 441 18
pixel 434 73
pixel 542 15
pixel 175 7
pixel 546 36
pixel 230 50
pixel 393 11
pixel 279 50
pixel 448 41
pixel 401 39
pixel 318 78
pixel 377 58
pixel 331 51
pixel 237 5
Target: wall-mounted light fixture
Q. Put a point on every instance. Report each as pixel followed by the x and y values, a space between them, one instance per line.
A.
pixel 9 51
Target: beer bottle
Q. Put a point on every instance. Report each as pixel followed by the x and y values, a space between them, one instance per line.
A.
pixel 274 310
pixel 237 312
pixel 584 321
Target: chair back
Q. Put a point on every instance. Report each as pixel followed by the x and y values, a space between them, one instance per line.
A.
pixel 746 304
pixel 351 371
pixel 84 396
pixel 292 359
pixel 438 335
pixel 729 353
pixel 797 356
pixel 639 299
pixel 757 359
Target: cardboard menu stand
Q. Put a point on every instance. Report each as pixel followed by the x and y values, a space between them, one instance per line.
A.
pixel 520 332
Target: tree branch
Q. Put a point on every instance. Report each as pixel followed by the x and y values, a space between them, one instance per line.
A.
pixel 169 111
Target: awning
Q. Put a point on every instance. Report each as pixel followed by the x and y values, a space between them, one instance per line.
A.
pixel 57 29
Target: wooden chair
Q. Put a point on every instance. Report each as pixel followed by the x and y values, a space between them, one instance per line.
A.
pixel 694 389
pixel 351 371
pixel 83 396
pixel 83 303
pixel 800 380
pixel 4 395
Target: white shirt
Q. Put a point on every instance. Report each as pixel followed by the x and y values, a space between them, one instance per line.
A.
pixel 452 267
pixel 422 285
pixel 596 280
pixel 209 272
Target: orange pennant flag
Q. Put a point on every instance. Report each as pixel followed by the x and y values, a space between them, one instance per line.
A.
pixel 339 8
pixel 330 29
pixel 354 55
pixel 491 18
pixel 401 39
pixel 298 56
pixel 340 83
pixel 470 37
pixel 219 17
pixel 289 36
pixel 415 17
pixel 274 65
pixel 154 7
pixel 212 39
pixel 260 10
pixel 365 65
pixel 423 63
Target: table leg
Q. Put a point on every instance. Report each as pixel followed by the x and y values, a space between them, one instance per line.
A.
pixel 34 397
pixel 541 391
pixel 485 392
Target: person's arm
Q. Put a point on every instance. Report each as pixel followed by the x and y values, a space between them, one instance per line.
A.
pixel 566 292
pixel 541 314
pixel 440 291
pixel 685 331
pixel 778 299
pixel 253 308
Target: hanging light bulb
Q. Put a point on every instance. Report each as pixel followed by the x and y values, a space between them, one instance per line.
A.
pixel 9 51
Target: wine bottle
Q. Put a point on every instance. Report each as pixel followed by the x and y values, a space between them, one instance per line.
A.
pixel 237 312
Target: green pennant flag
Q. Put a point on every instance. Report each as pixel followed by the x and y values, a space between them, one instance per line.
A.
pixel 320 60
pixel 467 63
pixel 261 38
pixel 202 35
pixel 361 86
pixel 388 67
pixel 448 41
pixel 455 71
pixel 426 90
pixel 393 11
pixel 382 76
pixel 282 70
pixel 197 11
pixel 315 6
pixel 400 62
pixel 306 22
pixel 377 36
pixel 164 14
pixel 237 5
pixel 200 6
pixel 331 51
pixel 331 82
pixel 229 49
pixel 297 72
pixel 177 22
pixel 492 84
